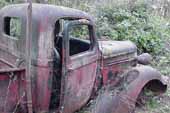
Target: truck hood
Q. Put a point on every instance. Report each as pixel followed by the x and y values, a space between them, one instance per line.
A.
pixel 116 48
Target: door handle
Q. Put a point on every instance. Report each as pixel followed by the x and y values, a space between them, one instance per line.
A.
pixel 70 69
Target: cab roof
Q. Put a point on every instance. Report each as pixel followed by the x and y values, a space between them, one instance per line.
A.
pixel 41 11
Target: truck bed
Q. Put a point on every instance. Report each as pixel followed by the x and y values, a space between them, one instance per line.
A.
pixel 12 93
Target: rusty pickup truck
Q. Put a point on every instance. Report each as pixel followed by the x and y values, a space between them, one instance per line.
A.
pixel 52 62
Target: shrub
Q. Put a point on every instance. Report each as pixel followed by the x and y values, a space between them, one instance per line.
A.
pixel 134 24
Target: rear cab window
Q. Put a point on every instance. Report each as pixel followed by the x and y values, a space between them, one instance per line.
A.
pixel 12 35
pixel 12 27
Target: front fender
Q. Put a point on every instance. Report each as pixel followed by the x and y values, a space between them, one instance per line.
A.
pixel 137 79
pixel 142 76
pixel 133 83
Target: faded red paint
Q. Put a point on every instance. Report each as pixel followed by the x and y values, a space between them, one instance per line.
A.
pixel 114 71
pixel 15 89
pixel 79 84
pixel 43 24
pixel 43 89
pixel 80 74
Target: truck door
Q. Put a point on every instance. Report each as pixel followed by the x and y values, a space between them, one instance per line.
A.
pixel 80 54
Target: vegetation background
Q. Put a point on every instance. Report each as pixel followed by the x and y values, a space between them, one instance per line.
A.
pixel 145 22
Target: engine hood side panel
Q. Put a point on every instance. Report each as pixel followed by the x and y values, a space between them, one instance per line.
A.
pixel 116 48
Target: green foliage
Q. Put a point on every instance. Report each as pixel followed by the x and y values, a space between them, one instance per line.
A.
pixel 77 4
pixel 117 21
pixel 79 31
pixel 122 22
pixel 7 2
pixel 15 28
pixel 134 24
pixel 3 3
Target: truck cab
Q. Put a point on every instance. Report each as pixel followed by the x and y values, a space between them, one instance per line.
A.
pixel 68 63
pixel 50 55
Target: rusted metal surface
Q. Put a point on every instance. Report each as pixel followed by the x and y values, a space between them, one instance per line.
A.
pixel 123 100
pixel 80 73
pixel 51 12
pixel 144 59
pixel 6 64
pixel 41 56
pixel 12 90
pixel 30 87
pixel 110 49
pixel 28 56
pixel 118 57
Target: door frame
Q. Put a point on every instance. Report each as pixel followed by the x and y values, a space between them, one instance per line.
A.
pixel 86 57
